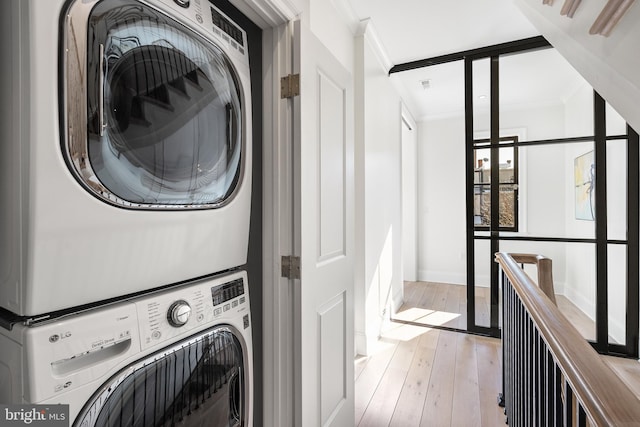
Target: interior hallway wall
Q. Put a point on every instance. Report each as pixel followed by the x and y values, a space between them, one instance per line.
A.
pixel 378 192
pixel 409 142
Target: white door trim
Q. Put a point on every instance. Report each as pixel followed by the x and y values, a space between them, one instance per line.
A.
pixel 277 233
pixel 274 17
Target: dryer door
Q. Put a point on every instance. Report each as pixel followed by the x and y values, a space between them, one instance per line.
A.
pixel 202 382
pixel 163 118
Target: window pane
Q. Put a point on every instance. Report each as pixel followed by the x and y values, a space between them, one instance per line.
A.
pixel 617 293
pixel 483 262
pixel 616 125
pixel 482 95
pixel 507 188
pixel 578 302
pixel 617 189
pixel 538 89
pixel 507 206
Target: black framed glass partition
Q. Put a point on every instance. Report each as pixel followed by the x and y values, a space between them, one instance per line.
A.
pixel 555 177
pixel 588 226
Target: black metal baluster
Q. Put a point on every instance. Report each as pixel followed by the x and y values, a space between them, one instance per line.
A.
pixel 559 403
pixel 517 378
pixel 190 387
pixel 568 405
pixel 511 397
pixel 144 414
pixel 550 389
pixel 155 392
pixel 175 381
pixel 183 383
pixel 582 415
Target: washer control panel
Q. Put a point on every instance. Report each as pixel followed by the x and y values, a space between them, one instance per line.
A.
pixel 179 313
pixel 227 296
pixel 175 312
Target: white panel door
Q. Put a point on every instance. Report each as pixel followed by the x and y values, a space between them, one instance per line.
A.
pixel 323 208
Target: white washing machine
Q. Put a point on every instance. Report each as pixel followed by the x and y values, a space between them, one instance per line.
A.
pixel 179 357
pixel 125 148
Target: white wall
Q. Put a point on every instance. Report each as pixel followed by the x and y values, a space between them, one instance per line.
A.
pixel 335 25
pixel 441 196
pixel 378 193
pixel 409 197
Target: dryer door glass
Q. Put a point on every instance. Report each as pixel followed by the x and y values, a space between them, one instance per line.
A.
pixel 164 111
pixel 199 383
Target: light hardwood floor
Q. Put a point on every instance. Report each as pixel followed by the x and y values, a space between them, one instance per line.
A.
pixel 421 376
pixel 427 377
pixel 442 304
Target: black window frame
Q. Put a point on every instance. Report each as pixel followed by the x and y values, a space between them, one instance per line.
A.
pixel 480 144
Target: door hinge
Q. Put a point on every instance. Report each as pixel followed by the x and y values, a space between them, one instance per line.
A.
pixel 290 86
pixel 290 267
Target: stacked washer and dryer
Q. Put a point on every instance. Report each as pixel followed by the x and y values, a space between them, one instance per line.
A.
pixel 125 179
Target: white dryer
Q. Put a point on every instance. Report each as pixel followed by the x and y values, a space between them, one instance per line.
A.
pixel 125 148
pixel 179 357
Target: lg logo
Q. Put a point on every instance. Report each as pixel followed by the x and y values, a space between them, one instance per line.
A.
pixel 57 337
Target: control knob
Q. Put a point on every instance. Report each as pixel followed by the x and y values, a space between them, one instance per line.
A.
pixel 179 313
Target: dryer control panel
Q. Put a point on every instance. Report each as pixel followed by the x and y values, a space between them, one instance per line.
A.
pixel 202 13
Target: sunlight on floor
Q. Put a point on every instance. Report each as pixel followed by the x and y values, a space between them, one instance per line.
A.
pixel 422 315
pixel 400 332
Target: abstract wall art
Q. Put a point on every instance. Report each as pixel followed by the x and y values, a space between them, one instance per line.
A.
pixel 584 172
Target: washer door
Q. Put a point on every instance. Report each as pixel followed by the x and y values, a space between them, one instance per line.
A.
pixel 164 121
pixel 202 382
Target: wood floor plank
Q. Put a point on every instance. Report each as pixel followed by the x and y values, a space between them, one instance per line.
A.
pixel 488 351
pixel 462 307
pixel 439 399
pixel 383 402
pixel 369 379
pixel 413 291
pixel 439 302
pixel 466 397
pixel 453 306
pixel 408 410
pixel 483 304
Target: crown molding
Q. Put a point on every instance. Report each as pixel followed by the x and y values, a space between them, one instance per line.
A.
pixel 367 30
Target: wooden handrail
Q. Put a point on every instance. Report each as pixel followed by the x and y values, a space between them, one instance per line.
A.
pixel 545 272
pixel 606 400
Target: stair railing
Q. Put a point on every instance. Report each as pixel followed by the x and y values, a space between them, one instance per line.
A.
pixel 551 375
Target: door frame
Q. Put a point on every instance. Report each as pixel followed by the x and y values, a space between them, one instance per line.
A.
pixel 274 17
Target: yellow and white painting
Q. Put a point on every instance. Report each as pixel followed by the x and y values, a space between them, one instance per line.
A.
pixel 584 172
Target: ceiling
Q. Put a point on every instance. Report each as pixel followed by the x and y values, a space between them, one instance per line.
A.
pixel 417 29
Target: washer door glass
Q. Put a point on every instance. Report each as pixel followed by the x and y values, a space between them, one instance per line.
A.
pixel 198 383
pixel 165 122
